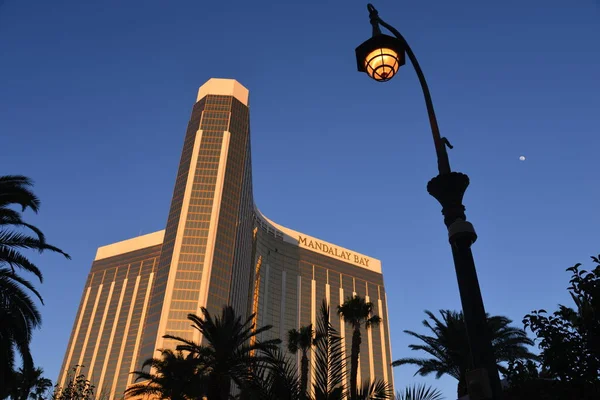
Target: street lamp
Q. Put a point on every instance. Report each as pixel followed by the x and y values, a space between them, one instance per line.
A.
pixel 380 57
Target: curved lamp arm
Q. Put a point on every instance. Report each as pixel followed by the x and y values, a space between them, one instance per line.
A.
pixel 439 142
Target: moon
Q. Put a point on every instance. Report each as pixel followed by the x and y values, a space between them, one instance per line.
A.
pixel 522 158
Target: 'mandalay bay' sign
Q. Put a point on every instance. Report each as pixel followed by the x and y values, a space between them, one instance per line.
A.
pixel 345 255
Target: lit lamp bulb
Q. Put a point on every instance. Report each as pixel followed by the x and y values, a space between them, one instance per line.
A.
pixel 382 64
pixel 380 57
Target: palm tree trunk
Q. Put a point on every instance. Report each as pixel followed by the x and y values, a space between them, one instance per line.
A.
pixel 462 389
pixel 24 390
pixel 5 376
pixel 225 384
pixel 356 340
pixel 304 374
pixel 218 387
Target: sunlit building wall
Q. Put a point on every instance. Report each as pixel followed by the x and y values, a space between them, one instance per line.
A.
pixel 216 249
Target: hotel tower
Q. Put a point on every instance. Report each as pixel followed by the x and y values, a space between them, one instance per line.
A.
pixel 217 248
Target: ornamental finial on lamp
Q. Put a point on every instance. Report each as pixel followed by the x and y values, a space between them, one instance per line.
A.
pixel 381 56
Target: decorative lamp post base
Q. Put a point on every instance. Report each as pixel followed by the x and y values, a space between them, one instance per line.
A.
pixel 449 189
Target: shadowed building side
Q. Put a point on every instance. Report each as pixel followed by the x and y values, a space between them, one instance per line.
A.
pixel 298 272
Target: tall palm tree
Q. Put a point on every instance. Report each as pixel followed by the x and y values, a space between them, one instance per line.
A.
pixel 176 377
pixel 277 378
pixel 229 351
pixel 30 384
pixel 301 340
pixel 357 312
pixel 18 312
pixel 449 346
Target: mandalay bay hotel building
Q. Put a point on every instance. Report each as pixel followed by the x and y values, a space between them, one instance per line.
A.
pixel 216 249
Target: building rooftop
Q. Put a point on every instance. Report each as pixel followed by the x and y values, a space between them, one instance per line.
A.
pixel 125 246
pixel 224 87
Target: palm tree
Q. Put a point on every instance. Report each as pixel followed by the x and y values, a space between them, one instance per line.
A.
pixel 301 339
pixel 229 352
pixel 449 346
pixel 277 379
pixel 275 376
pixel 19 317
pixel 357 312
pixel 176 377
pixel 329 359
pixel 30 384
pixel 420 392
pixel 15 190
pixel 18 312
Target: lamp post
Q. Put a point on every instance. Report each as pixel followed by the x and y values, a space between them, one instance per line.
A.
pixel 380 57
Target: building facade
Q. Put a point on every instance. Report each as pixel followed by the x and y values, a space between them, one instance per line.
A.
pixel 216 249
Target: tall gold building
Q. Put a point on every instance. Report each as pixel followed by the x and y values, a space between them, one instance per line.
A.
pixel 217 249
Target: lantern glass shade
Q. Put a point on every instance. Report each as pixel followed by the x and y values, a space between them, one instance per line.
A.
pixel 382 64
pixel 380 57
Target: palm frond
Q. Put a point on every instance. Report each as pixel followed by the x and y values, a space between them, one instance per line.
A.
pixel 6 276
pixel 22 241
pixel 293 341
pixel 376 390
pixel 13 218
pixel 228 351
pixel 16 305
pixel 14 189
pixel 329 358
pixel 449 348
pixel 419 392
pixel 373 321
pixel 175 376
pixel 16 260
pixel 273 378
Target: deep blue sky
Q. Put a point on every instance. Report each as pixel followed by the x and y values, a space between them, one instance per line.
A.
pixel 95 98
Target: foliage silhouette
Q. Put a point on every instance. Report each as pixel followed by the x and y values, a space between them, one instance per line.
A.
pixel 30 384
pixel 357 312
pixel 232 346
pixel 275 376
pixel 419 392
pixel 301 340
pixel 569 339
pixel 173 376
pixel 18 312
pixel 78 387
pixel 449 346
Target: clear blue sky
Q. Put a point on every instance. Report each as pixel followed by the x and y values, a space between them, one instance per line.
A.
pixel 95 97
